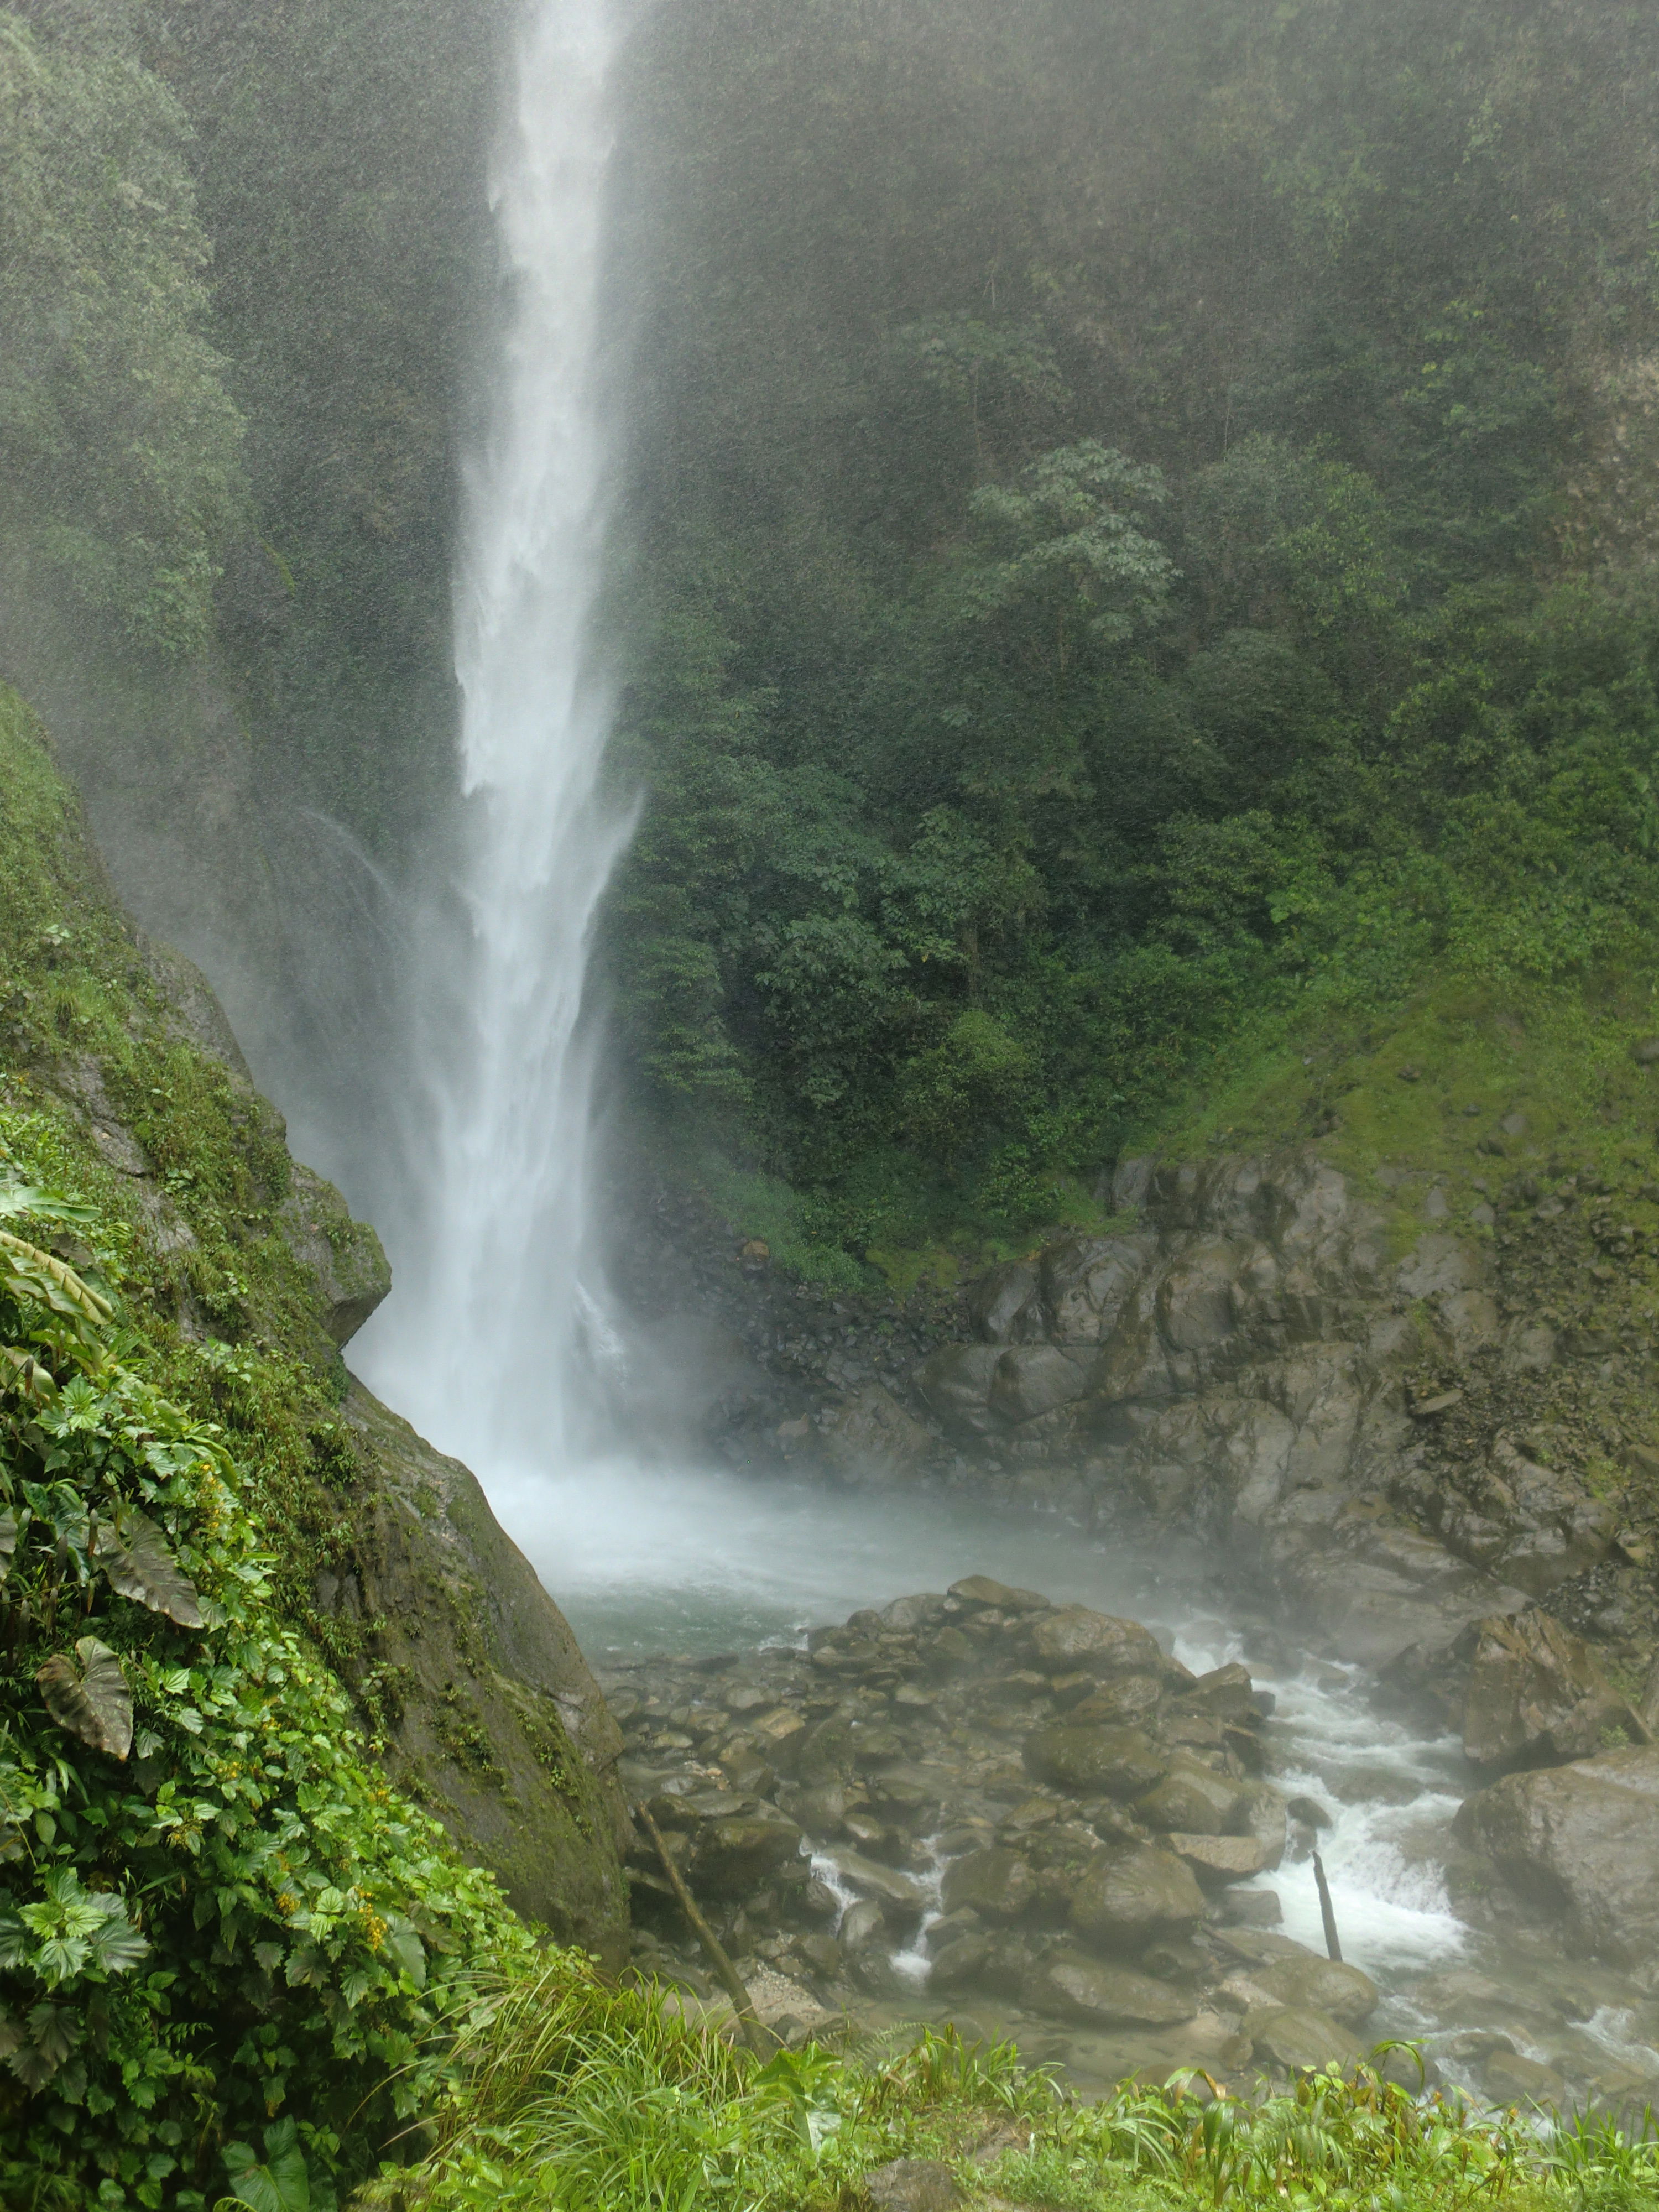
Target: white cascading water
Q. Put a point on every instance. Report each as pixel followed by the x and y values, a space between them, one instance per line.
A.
pixel 498 1303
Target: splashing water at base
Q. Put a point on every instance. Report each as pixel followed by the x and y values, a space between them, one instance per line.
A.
pixel 697 1560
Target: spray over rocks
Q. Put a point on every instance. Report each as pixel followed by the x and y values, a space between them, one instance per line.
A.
pixel 1028 1810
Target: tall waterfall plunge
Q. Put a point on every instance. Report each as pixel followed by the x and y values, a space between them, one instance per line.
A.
pixel 498 1305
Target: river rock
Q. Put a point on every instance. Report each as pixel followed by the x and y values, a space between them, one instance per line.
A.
pixel 998 1883
pixel 1535 1693
pixel 1069 1986
pixel 1119 1761
pixel 960 1961
pixel 1510 2078
pixel 1326 1985
pixel 1125 1899
pixel 900 1892
pixel 863 1923
pixel 1072 1638
pixel 980 1590
pixel 1582 1842
pixel 1193 1799
pixel 1299 2039
pixel 828 1753
pixel 1130 1700
pixel 736 1854
pixel 1262 1813
pixel 1219 1859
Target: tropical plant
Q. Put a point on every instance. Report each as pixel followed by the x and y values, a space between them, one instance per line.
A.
pixel 212 1909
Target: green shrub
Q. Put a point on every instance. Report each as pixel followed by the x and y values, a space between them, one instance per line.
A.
pixel 212 1909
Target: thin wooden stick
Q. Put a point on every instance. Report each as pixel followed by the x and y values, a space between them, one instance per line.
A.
pixel 755 2034
pixel 1326 1913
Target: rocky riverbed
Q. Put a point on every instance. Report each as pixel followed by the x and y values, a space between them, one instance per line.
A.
pixel 1036 1820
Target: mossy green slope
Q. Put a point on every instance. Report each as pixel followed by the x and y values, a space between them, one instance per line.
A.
pixel 240 1275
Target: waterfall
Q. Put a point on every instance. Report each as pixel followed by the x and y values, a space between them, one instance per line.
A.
pixel 498 1306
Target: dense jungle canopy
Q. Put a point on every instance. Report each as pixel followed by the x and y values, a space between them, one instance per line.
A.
pixel 1131 532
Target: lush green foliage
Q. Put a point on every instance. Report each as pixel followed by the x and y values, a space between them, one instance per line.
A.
pixel 601 2101
pixel 119 449
pixel 212 1909
pixel 1126 521
pixel 1133 532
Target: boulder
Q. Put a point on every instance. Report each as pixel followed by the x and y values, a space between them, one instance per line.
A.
pixel 1003 1305
pixel 914 2184
pixel 961 1961
pixel 998 1883
pixel 1192 1798
pixel 998 1597
pixel 1124 1702
pixel 1216 1860
pixel 1510 2078
pixel 1067 1985
pixel 1034 1379
pixel 1120 1762
pixel 920 1610
pixel 1582 1842
pixel 1298 2039
pixel 901 1892
pixel 828 1753
pixel 1326 1985
pixel 736 1854
pixel 955 1382
pixel 870 1438
pixel 1072 1638
pixel 864 1922
pixel 1262 1814
pixel 1126 1899
pixel 1535 1693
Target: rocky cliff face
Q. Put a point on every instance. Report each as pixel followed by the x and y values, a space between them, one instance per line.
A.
pixel 1399 1406
pixel 1275 1359
pixel 468 1680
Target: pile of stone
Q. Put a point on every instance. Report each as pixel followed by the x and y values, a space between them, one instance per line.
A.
pixel 987 1797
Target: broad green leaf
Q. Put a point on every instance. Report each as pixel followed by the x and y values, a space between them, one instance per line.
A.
pixel 117 1947
pixel 134 1556
pixel 27 1271
pixel 279 2182
pixel 405 1949
pixel 43 1204
pixel 51 2034
pixel 90 1700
